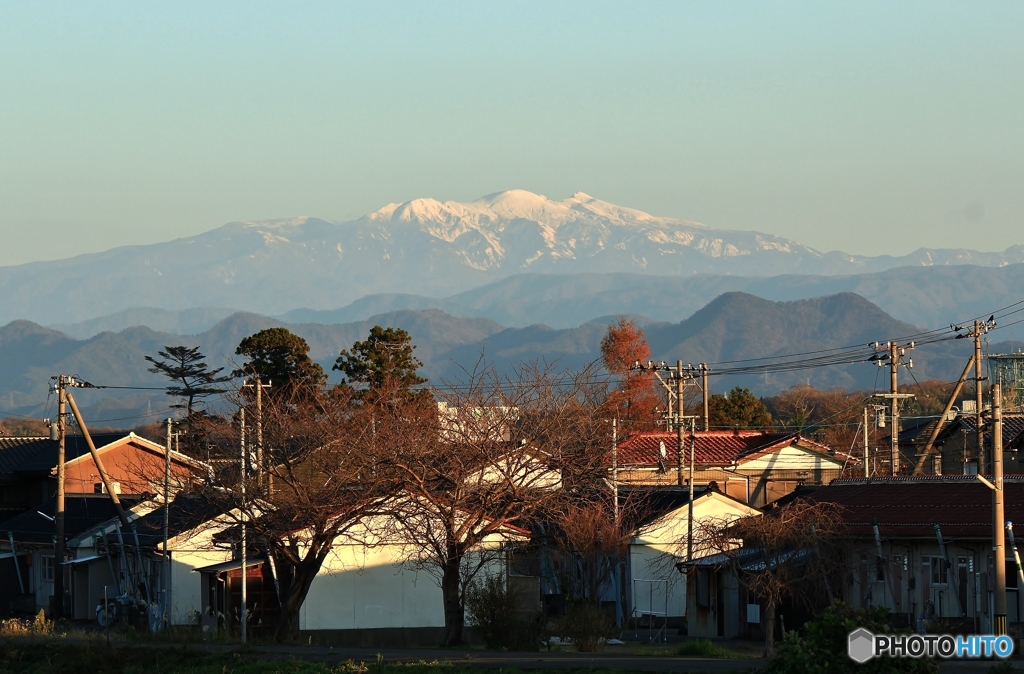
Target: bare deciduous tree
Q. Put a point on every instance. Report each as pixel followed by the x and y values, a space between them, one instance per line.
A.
pixel 502 449
pixel 796 551
pixel 320 480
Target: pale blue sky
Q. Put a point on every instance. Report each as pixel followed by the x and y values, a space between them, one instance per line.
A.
pixel 866 127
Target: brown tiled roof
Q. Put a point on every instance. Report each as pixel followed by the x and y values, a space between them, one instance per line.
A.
pixel 910 507
pixel 713 448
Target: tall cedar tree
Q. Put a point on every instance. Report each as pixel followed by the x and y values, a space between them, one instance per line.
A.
pixel 738 409
pixel 193 378
pixel 635 400
pixel 382 365
pixel 281 358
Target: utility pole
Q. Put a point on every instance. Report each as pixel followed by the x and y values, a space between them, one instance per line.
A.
pixel 867 466
pixel 259 386
pixel 615 468
pixel 975 332
pixel 57 602
pixel 679 425
pixel 895 354
pixel 167 522
pixel 689 512
pixel 704 394
pixel 241 515
pixel 998 514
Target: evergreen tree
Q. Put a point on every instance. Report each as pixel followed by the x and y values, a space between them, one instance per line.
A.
pixel 193 379
pixel 280 358
pixel 738 409
pixel 383 364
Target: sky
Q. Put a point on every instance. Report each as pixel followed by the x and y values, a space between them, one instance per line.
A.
pixel 869 127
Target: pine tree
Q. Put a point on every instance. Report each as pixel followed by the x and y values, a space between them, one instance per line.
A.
pixel 281 358
pixel 193 378
pixel 383 364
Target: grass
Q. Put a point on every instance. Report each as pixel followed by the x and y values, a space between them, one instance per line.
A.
pixel 35 655
pixel 703 648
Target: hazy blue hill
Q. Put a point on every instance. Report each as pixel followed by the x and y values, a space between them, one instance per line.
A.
pixel 372 305
pixel 184 322
pixel 741 326
pixel 733 326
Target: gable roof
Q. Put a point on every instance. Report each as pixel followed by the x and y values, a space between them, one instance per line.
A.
pixel 918 433
pixel 141 443
pixel 713 448
pixel 81 513
pixel 187 513
pixel 910 507
pixel 36 457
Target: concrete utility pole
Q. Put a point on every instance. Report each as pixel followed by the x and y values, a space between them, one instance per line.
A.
pixel 998 514
pixel 679 425
pixel 867 463
pixel 241 515
pixel 895 357
pixel 260 463
pixel 615 468
pixel 167 522
pixel 704 394
pixel 689 512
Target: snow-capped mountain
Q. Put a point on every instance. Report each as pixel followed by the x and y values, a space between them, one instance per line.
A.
pixel 422 246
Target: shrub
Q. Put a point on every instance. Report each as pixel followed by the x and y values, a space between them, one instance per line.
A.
pixel 586 626
pixel 702 648
pixel 493 609
pixel 820 647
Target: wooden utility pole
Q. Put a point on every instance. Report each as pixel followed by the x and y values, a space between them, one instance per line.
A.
pixel 998 515
pixel 930 445
pixel 57 602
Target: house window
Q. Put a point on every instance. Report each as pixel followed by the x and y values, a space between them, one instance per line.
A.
pixel 46 570
pixel 703 588
pixel 939 567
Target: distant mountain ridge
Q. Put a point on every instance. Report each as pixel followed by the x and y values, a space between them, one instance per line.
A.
pixel 923 296
pixel 422 246
pixel 734 325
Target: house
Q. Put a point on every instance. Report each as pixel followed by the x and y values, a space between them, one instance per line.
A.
pixel 956 445
pixel 656 592
pixel 907 568
pixel 755 467
pixel 135 465
pixel 27 580
pixel 919 546
pixel 136 468
pixel 370 591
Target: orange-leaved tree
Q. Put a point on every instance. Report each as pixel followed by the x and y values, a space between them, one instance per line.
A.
pixel 635 400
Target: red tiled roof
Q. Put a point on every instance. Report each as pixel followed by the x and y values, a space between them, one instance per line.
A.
pixel 713 448
pixel 911 507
